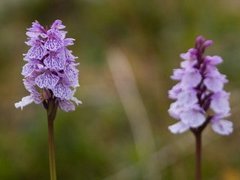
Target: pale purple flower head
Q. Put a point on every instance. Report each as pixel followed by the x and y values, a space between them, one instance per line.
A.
pixel 50 71
pixel 199 95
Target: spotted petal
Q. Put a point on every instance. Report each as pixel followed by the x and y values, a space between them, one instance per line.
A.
pixel 53 43
pixel 47 80
pixel 72 75
pixel 55 61
pixel 28 69
pixel 62 91
pixel 66 105
pixel 35 52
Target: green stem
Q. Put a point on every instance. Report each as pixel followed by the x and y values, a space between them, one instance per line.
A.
pixel 51 149
pixel 51 113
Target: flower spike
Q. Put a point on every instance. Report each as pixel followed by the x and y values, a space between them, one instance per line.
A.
pixel 50 71
pixel 199 89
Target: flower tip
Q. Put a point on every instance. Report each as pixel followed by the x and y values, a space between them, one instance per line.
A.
pixel 58 21
pixel 172 129
pixel 57 24
pixel 24 102
pixel 200 39
pixel 18 105
pixel 184 56
pixel 77 101
pixel 207 43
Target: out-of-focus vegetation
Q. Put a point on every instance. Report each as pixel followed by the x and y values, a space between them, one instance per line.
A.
pixel 98 141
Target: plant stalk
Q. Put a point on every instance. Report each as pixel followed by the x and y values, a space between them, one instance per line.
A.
pixel 51 113
pixel 51 149
pixel 198 155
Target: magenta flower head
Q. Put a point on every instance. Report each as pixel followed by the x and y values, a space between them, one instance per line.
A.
pixel 50 73
pixel 199 95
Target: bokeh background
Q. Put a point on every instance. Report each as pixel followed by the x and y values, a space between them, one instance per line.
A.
pixel 127 50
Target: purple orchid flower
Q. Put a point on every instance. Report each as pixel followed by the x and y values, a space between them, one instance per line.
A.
pixel 199 95
pixel 50 71
pixel 50 76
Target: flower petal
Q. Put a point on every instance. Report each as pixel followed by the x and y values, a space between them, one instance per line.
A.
pixel 35 52
pixel 66 105
pixel 24 102
pixel 57 24
pixel 174 92
pixel 72 75
pixel 36 30
pixel 220 102
pixel 188 98
pixel 179 127
pixel 213 60
pixel 191 79
pixel 189 55
pixel 175 110
pixel 177 74
pixel 53 43
pixel 193 118
pixel 63 92
pixel 47 80
pixel 55 61
pixel 77 101
pixel 214 84
pixel 68 41
pixel 28 69
pixel 223 127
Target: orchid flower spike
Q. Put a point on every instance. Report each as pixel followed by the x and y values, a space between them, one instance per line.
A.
pixel 50 72
pixel 199 95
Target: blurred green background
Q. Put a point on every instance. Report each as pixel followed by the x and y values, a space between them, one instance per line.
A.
pixel 127 50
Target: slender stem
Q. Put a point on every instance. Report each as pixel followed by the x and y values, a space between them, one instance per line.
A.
pixel 198 155
pixel 51 149
pixel 51 107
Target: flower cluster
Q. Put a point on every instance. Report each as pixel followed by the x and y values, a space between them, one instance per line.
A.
pixel 200 98
pixel 50 71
